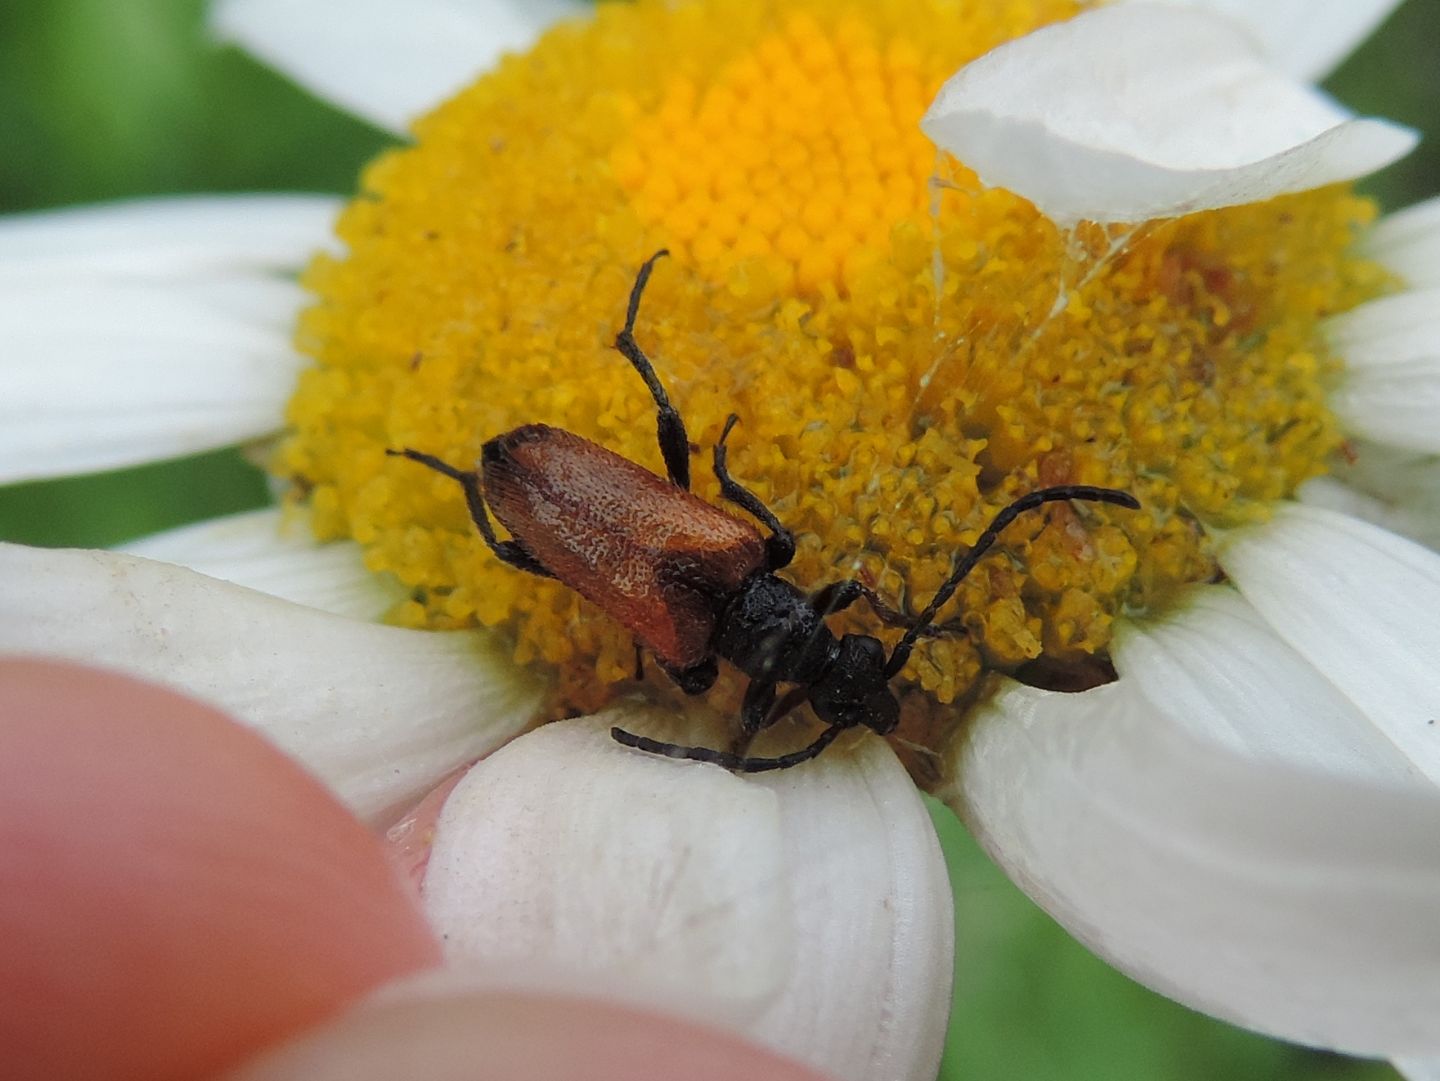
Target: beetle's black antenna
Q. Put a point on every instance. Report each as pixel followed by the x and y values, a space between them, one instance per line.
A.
pixel 669 427
pixel 734 762
pixel 966 563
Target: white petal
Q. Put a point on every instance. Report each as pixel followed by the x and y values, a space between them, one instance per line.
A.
pixel 1404 518
pixel 275 552
pixel 1305 38
pixel 148 330
pixel 1226 678
pixel 860 846
pixel 1418 1069
pixel 1298 903
pixel 1143 111
pixel 171 238
pixel 1398 476
pixel 108 374
pixel 1391 388
pixel 566 845
pixel 1406 481
pixel 1361 605
pixel 1408 242
pixel 385 62
pixel 379 713
pixel 808 909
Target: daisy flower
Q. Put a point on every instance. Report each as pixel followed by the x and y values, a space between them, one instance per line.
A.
pixel 935 254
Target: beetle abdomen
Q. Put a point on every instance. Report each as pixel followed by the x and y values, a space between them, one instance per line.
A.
pixel 654 557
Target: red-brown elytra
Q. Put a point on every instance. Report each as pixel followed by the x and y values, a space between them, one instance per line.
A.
pixel 694 583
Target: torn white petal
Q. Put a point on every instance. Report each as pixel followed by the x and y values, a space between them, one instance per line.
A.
pixel 808 909
pixel 1390 391
pixel 1406 481
pixel 384 62
pixel 1304 38
pixel 1420 525
pixel 103 375
pixel 1393 474
pixel 1361 605
pixel 1226 678
pixel 1296 902
pixel 379 713
pixel 1143 111
pixel 275 553
pixel 1408 242
pixel 170 238
pixel 1331 494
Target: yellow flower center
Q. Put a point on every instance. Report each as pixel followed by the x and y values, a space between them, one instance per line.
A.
pixel 804 145
pixel 907 355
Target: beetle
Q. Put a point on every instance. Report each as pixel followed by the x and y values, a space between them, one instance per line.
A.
pixel 695 583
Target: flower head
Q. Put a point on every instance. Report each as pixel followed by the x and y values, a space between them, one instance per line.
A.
pixel 1134 261
pixel 905 358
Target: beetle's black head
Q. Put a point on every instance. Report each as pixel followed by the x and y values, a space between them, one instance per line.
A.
pixel 855 689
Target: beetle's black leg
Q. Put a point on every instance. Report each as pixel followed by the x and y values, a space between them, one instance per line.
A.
pixel 759 711
pixel 755 711
pixel 793 699
pixel 639 662
pixel 780 545
pixel 511 551
pixel 697 679
pixel 838 596
pixel 735 762
pixel 669 427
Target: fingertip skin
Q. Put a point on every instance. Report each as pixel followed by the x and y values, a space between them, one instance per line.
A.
pixel 515 1036
pixel 175 894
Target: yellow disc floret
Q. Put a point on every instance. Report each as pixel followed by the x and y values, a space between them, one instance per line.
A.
pixel 907 352
pixel 806 145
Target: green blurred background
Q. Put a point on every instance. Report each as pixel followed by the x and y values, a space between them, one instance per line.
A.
pixel 104 99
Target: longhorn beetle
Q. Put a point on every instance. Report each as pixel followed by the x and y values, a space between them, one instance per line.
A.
pixel 693 582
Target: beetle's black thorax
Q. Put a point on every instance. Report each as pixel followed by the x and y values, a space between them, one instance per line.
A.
pixel 769 630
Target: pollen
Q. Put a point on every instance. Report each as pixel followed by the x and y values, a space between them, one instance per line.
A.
pixel 907 351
